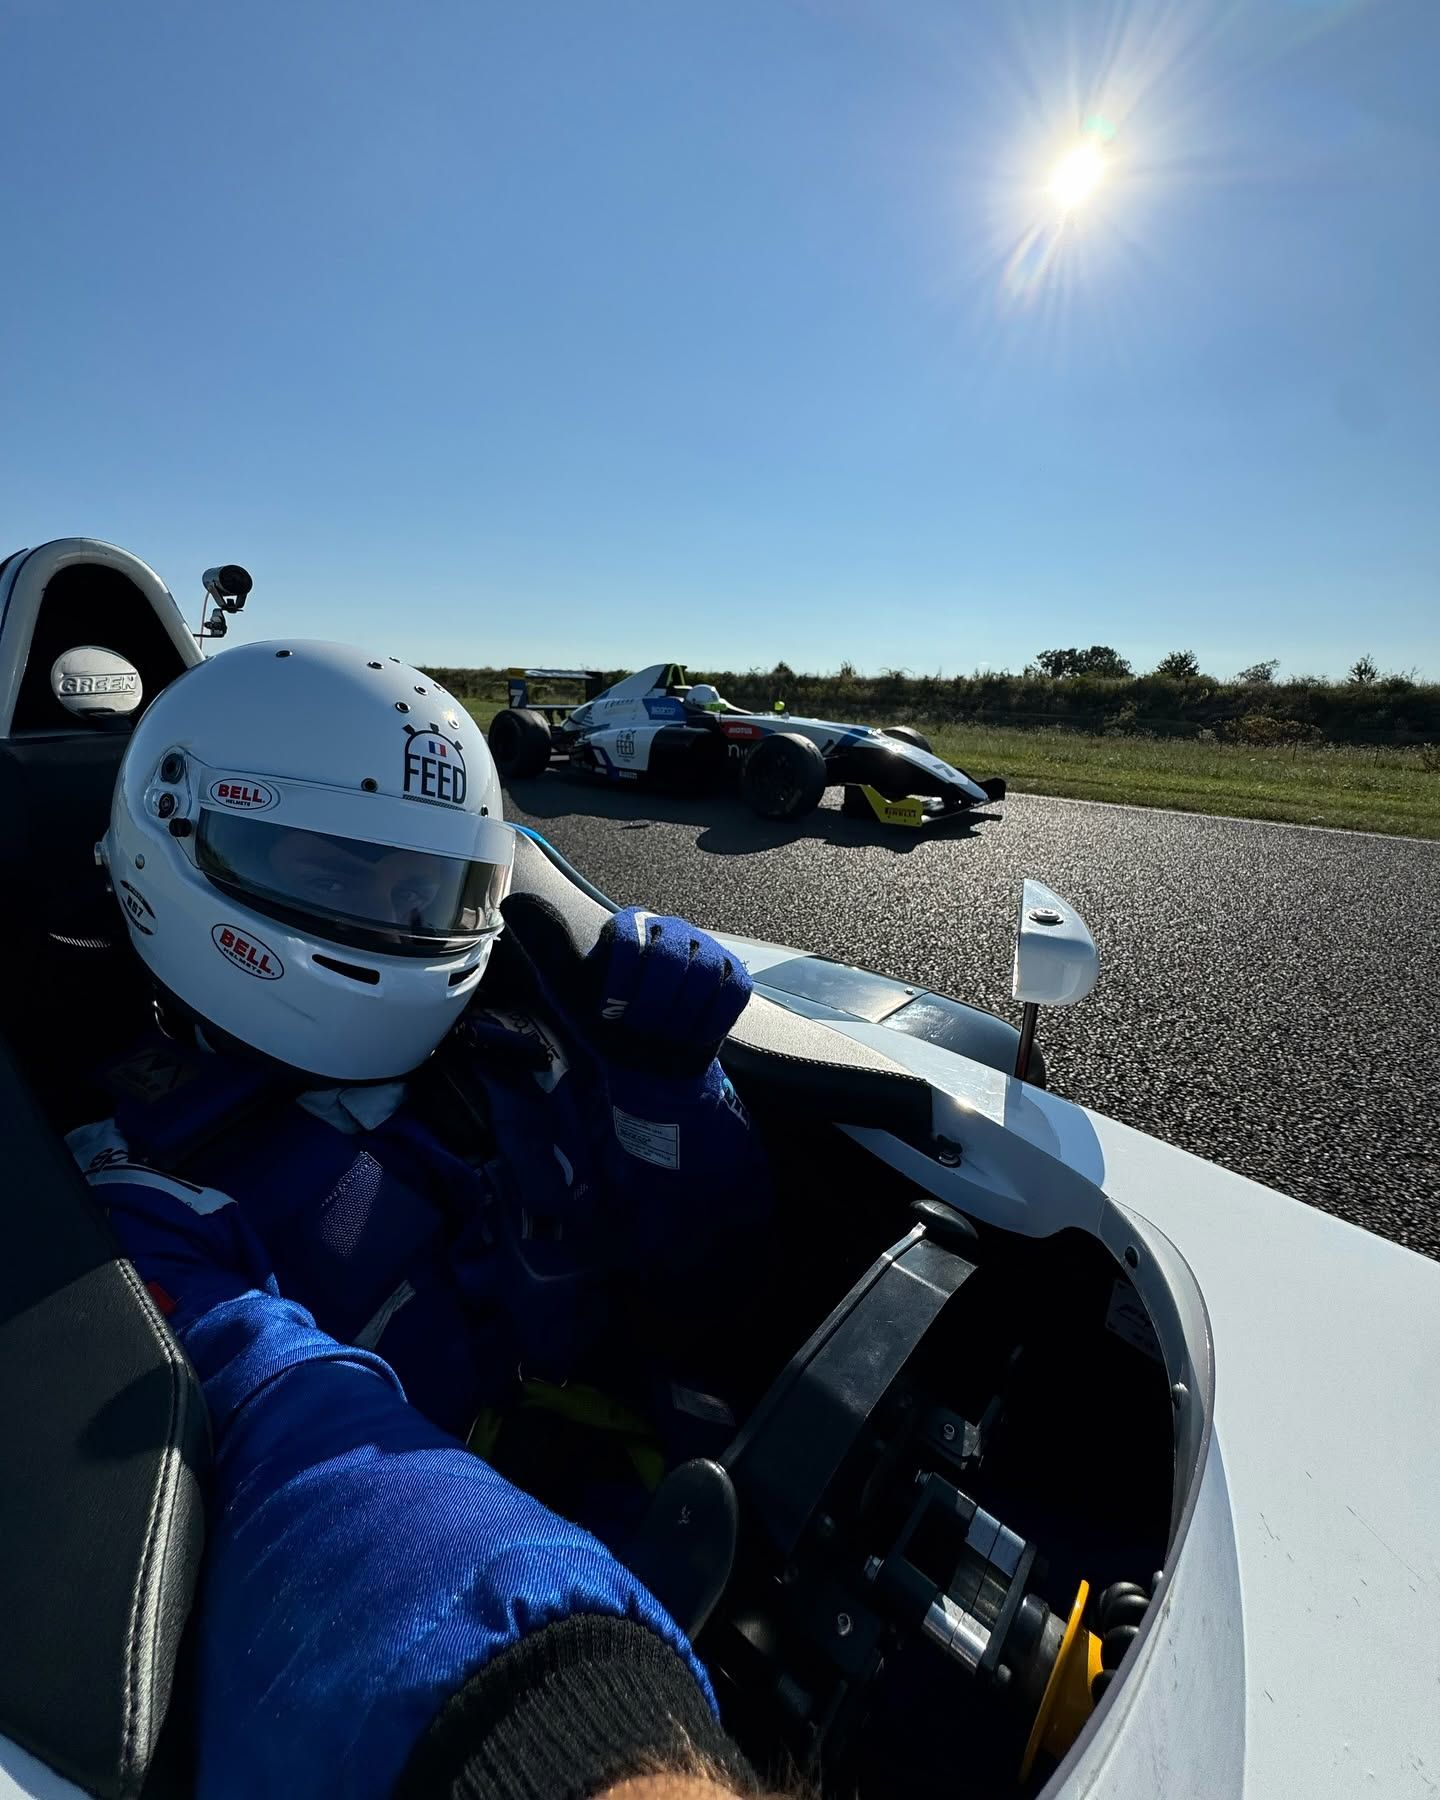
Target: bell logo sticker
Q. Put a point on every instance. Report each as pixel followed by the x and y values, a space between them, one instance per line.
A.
pixel 247 953
pixel 241 795
pixel 434 767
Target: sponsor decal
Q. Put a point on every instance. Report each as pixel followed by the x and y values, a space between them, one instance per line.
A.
pixel 625 745
pixel 141 912
pixel 664 706
pixel 124 683
pixel 909 811
pixel 243 796
pixel 741 731
pixel 434 767
pixel 247 953
pixel 90 679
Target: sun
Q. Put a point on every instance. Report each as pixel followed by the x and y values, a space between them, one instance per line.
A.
pixel 1076 176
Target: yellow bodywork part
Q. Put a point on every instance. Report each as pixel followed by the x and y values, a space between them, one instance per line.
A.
pixel 1065 1704
pixel 909 811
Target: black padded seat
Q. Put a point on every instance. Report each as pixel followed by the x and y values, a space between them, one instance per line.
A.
pixel 76 992
pixel 105 1444
pixel 66 940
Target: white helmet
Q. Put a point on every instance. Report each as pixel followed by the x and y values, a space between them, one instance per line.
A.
pixel 309 848
pixel 703 695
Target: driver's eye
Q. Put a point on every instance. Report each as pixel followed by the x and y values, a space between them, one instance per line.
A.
pixel 324 884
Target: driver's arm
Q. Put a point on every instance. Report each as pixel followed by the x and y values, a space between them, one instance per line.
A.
pixel 686 1174
pixel 381 1612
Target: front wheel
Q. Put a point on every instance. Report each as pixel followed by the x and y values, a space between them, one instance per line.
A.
pixel 907 734
pixel 520 743
pixel 784 777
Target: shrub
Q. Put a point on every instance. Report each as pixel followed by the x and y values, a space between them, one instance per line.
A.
pixel 1262 728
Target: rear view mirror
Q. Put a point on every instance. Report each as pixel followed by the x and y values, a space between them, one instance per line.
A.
pixel 1056 962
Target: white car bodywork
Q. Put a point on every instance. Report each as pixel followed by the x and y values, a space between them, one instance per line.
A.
pixel 620 728
pixel 1295 1649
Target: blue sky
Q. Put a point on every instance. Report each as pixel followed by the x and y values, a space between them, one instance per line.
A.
pixel 734 330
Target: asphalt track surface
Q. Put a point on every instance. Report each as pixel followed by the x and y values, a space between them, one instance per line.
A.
pixel 1269 996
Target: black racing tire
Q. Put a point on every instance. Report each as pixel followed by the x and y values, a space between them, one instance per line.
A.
pixel 520 743
pixel 907 734
pixel 784 777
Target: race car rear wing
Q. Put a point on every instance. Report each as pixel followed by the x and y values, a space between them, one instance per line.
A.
pixel 518 687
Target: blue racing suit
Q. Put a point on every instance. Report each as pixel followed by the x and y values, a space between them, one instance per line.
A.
pixel 615 1171
pixel 362 1566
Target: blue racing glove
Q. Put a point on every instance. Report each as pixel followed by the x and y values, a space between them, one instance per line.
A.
pixel 687 1177
pixel 664 993
pixel 191 1246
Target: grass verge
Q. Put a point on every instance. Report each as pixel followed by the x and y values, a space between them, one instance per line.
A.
pixel 1344 785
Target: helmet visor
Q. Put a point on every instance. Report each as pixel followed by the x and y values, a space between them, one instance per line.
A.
pixel 373 896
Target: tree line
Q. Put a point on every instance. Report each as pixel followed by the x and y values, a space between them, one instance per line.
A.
pixel 1091 690
pixel 1184 665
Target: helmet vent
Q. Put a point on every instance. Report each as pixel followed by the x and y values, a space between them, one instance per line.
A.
pixel 459 975
pixel 352 971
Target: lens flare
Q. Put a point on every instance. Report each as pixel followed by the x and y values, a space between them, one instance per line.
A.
pixel 1077 175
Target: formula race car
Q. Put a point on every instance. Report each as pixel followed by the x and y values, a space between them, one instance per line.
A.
pixel 657 727
pixel 1046 1459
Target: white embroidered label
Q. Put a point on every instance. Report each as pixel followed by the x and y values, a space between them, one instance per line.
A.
pixel 658 1144
pixel 198 1199
pixel 97 1146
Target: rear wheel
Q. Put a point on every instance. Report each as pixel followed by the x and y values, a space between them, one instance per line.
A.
pixel 907 734
pixel 520 742
pixel 784 777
